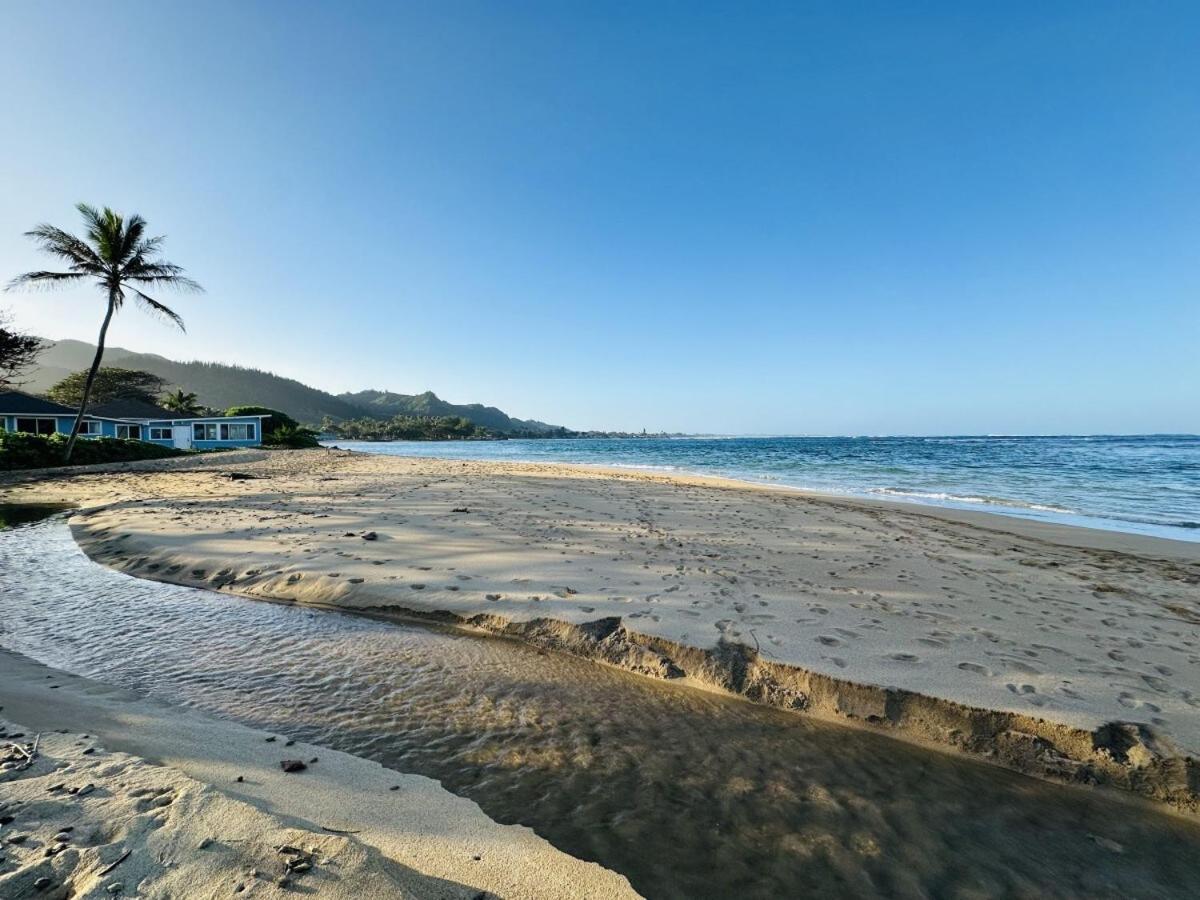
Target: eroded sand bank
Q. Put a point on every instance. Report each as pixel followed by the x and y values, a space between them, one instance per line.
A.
pixel 1063 652
pixel 203 809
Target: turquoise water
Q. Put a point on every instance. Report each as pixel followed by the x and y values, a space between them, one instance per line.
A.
pixel 1147 484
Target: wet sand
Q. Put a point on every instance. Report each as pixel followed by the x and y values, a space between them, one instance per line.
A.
pixel 203 807
pixel 1018 640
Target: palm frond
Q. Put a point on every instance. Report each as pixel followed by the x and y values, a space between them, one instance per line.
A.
pixel 65 245
pixel 46 281
pixel 106 230
pixel 131 237
pixel 154 308
pixel 159 272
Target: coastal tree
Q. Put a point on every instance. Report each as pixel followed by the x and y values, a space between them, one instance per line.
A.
pixel 18 353
pixel 118 258
pixel 108 384
pixel 183 402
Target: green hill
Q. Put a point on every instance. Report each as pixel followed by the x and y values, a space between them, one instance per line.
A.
pixel 385 405
pixel 221 386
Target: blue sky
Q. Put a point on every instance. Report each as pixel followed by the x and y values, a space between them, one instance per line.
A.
pixel 739 218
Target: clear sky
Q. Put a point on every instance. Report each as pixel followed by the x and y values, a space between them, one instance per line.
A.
pixel 823 218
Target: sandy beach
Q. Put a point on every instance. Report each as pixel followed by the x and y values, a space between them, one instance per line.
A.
pixel 1063 652
pixel 128 796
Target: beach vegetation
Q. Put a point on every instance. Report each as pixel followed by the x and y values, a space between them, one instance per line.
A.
pixel 277 418
pixel 118 258
pixel 290 437
pixel 410 428
pixel 183 402
pixel 20 450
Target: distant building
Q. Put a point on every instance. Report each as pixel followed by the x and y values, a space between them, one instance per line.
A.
pixel 131 420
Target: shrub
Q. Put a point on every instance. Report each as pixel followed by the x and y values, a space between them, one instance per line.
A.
pixel 278 419
pixel 290 438
pixel 36 451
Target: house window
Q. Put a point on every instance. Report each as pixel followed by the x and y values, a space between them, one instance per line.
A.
pixel 160 434
pixel 237 431
pixel 204 431
pixel 90 427
pixel 37 426
pixel 129 432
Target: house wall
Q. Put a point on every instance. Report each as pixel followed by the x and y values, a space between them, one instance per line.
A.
pixel 63 423
pixel 108 428
pixel 169 441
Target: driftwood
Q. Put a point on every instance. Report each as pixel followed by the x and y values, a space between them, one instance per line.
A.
pixel 30 754
pixel 112 865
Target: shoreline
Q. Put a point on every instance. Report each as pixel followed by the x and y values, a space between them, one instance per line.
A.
pixel 1007 510
pixel 376 832
pixel 1134 753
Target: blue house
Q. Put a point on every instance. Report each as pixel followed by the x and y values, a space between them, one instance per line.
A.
pixel 130 420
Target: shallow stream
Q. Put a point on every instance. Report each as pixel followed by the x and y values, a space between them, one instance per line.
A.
pixel 688 793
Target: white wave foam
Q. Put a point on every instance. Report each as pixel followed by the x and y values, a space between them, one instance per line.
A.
pixel 943 496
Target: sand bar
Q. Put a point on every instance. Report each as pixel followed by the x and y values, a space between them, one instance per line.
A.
pixel 793 599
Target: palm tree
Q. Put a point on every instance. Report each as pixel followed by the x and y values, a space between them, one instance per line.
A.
pixel 117 257
pixel 183 402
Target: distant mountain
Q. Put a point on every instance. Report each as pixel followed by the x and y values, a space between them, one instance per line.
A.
pixel 221 386
pixel 385 404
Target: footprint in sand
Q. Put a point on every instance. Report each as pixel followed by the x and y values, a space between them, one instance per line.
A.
pixel 976 668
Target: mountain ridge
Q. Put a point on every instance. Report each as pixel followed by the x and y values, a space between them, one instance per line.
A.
pixel 221 385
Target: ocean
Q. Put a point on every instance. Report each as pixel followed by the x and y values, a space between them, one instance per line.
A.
pixel 1145 484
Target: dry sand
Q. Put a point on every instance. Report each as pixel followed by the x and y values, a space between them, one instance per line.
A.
pixel 209 816
pixel 1062 630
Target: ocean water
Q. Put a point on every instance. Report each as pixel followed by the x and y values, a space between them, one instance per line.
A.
pixel 1145 484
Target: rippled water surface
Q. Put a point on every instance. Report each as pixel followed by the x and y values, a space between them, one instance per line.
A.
pixel 687 793
pixel 1147 484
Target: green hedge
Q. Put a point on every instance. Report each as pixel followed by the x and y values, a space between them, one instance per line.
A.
pixel 291 438
pixel 36 451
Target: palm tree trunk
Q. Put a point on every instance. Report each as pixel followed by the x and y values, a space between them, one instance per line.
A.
pixel 87 385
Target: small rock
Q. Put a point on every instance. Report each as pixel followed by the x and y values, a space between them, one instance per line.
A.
pixel 116 887
pixel 17 838
pixel 292 765
pixel 63 836
pixel 41 884
pixel 239 887
pixel 205 842
pixel 283 881
pixel 288 743
pixel 239 779
pixel 270 740
pixel 86 789
pixel 370 536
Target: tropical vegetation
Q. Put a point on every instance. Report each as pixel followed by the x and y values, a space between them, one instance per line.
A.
pixel 19 450
pixel 183 402
pixel 107 384
pixel 18 353
pixel 408 428
pixel 118 258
